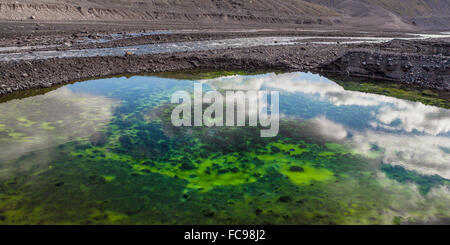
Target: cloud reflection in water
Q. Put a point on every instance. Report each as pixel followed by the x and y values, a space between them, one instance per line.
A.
pixel 410 134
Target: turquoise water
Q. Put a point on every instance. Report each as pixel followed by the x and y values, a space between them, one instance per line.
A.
pixel 105 152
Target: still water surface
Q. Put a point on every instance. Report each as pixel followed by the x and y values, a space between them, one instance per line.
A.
pixel 105 152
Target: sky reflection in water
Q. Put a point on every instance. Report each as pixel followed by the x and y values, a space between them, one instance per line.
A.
pixel 382 129
pixel 410 134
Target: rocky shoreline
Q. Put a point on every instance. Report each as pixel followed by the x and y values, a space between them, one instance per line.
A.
pixel 428 66
pixel 17 76
pixel 419 70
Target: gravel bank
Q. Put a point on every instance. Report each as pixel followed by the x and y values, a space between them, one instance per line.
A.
pixel 422 63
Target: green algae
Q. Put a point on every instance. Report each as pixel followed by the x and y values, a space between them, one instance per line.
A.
pixel 291 149
pixel 139 169
pixel 18 136
pixel 211 173
pixel 109 178
pixel 335 147
pixel 307 175
pixel 25 122
pixel 424 182
pixel 47 126
pixel 118 190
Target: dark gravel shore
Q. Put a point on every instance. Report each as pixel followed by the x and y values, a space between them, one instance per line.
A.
pixel 15 76
pixel 422 63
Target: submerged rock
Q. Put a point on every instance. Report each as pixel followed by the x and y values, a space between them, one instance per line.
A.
pixel 59 184
pixel 275 149
pixel 187 166
pixel 258 211
pixel 285 199
pixel 296 169
pixel 208 212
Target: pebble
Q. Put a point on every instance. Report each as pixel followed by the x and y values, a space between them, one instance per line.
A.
pixel 285 199
pixel 296 169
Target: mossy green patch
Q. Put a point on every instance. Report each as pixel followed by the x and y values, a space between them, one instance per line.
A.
pixel 47 126
pixel 426 96
pixel 25 122
pixel 291 149
pixel 308 174
pixel 424 182
pixel 18 136
pixel 109 178
pixel 338 148
pixel 115 216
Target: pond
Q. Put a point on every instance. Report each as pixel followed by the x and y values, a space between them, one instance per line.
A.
pixel 106 152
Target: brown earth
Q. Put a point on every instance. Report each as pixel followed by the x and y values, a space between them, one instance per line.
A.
pixel 362 14
pixel 203 11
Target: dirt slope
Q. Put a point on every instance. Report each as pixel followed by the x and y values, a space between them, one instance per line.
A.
pixel 379 14
pixel 403 8
pixel 429 14
pixel 200 10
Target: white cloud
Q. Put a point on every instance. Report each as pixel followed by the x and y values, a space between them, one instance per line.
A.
pixel 48 120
